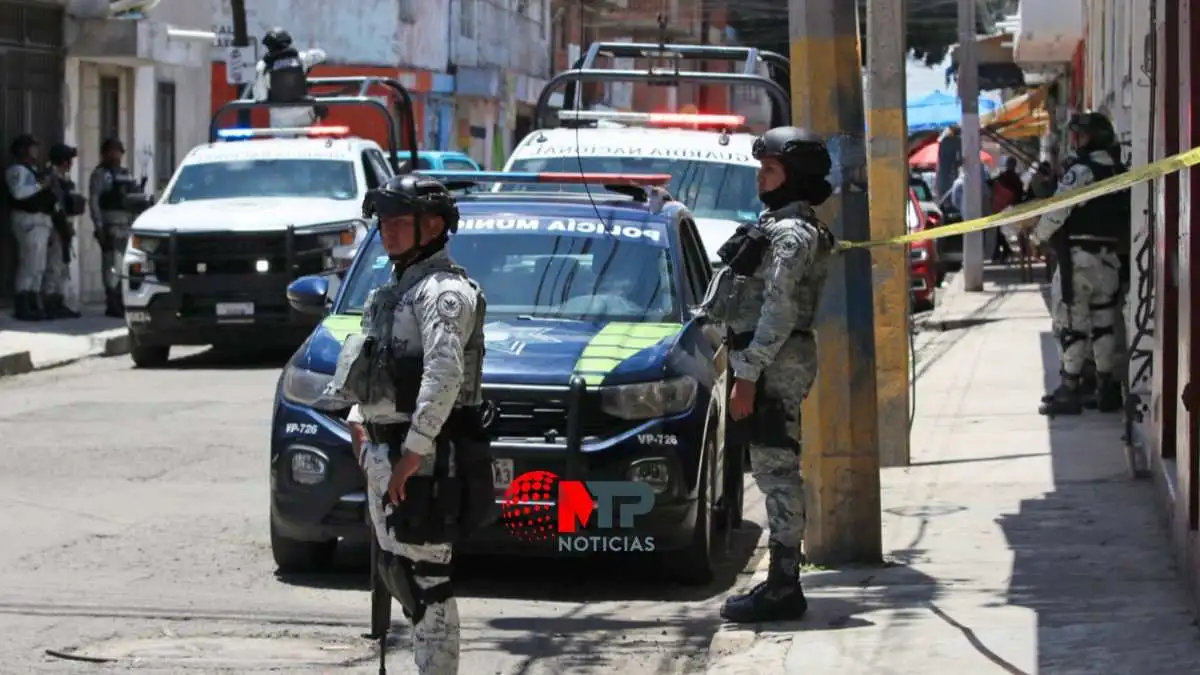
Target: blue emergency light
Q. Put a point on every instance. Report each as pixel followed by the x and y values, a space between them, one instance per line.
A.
pixel 310 132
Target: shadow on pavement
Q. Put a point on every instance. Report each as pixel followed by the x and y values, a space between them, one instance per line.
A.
pixel 229 358
pixel 625 578
pixel 1091 558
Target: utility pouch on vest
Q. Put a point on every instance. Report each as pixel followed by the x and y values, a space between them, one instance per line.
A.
pixel 744 251
pixel 406 376
pixel 352 377
pixel 444 509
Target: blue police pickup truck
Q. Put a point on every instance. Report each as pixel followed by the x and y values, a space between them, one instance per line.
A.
pixel 595 368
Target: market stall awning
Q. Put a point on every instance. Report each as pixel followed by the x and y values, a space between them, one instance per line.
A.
pixel 1016 109
pixel 939 110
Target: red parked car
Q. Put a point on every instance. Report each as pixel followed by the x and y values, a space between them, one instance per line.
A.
pixel 922 255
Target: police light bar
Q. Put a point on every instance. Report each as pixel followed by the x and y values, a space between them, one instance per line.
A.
pixel 563 178
pixel 654 119
pixel 311 132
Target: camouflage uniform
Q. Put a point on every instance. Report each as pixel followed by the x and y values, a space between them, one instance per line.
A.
pixel 112 222
pixel 438 317
pixel 31 230
pixel 299 116
pixel 1086 326
pixel 777 305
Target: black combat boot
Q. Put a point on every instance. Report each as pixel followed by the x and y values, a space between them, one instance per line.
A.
pixel 1066 400
pixel 56 308
pixel 1108 393
pixel 1087 389
pixel 112 305
pixel 25 307
pixel 779 598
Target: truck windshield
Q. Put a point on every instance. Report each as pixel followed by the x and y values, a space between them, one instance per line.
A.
pixel 545 275
pixel 709 189
pixel 320 178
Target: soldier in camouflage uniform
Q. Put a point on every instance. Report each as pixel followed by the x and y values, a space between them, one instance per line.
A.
pixel 1089 240
pixel 429 313
pixel 32 202
pixel 768 294
pixel 108 186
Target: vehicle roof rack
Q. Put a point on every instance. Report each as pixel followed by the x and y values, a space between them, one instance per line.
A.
pixel 641 187
pixel 350 91
pixel 586 70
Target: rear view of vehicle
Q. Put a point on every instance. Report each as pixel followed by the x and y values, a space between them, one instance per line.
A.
pixel 922 255
pixel 243 216
pixel 708 156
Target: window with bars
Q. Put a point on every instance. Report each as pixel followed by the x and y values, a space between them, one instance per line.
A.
pixel 110 108
pixel 164 134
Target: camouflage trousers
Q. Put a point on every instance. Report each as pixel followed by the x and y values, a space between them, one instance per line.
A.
pixel 436 636
pixel 777 474
pixel 54 281
pixel 32 232
pixel 1087 326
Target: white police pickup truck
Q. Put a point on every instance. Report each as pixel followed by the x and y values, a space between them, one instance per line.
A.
pixel 708 155
pixel 245 215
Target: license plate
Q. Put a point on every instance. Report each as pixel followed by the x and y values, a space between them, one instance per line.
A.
pixel 235 309
pixel 502 473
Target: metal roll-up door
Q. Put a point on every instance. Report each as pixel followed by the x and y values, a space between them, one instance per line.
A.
pixel 31 89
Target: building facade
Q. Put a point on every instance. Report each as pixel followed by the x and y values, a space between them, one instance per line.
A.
pixel 73 74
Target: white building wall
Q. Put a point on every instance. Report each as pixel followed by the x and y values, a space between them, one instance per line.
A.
pixel 410 33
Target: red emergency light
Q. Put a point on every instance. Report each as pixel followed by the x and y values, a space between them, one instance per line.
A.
pixel 678 120
pixel 310 132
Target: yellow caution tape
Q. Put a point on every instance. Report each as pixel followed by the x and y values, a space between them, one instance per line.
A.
pixel 1017 214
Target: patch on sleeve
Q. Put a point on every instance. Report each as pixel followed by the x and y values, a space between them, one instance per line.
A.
pixel 449 305
pixel 1069 178
pixel 787 245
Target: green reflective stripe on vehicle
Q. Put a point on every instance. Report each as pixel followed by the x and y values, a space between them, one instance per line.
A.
pixel 616 342
pixel 342 325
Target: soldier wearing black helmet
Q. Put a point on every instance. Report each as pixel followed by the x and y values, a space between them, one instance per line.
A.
pixel 767 294
pixel 1089 241
pixel 414 375
pixel 282 77
pixel 32 203
pixel 109 185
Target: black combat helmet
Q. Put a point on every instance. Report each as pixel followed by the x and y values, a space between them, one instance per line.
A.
pixel 21 144
pixel 277 40
pixel 61 153
pixel 800 150
pixel 412 194
pixel 1097 126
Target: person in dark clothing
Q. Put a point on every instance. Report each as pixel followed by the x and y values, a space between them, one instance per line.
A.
pixel 1007 190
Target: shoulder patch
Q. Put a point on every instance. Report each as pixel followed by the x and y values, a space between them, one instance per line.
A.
pixel 450 305
pixel 1068 178
pixel 786 245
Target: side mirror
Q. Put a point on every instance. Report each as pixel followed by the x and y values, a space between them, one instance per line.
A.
pixel 309 295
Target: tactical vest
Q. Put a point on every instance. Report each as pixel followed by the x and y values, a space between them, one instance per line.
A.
pixel 120 184
pixel 1104 217
pixel 287 81
pixel 42 201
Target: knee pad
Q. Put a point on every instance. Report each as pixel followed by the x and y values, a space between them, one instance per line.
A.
pixel 399 576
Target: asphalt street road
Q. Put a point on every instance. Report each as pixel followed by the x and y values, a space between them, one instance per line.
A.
pixel 135 529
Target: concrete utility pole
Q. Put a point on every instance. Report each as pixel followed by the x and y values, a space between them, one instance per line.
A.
pixel 887 150
pixel 968 92
pixel 241 38
pixel 840 421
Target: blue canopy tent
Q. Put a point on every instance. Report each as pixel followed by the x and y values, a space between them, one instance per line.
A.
pixel 939 110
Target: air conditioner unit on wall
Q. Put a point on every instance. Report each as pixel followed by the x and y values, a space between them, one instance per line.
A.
pixel 110 9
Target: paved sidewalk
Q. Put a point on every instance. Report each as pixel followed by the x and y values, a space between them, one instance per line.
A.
pixel 26 346
pixel 1016 544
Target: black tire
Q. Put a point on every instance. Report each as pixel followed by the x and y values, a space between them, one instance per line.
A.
pixel 148 356
pixel 696 564
pixel 301 557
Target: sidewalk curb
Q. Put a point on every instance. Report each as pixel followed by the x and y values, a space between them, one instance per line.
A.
pixel 113 342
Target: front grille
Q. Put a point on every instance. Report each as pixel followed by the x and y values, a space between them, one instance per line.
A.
pixel 523 418
pixel 238 253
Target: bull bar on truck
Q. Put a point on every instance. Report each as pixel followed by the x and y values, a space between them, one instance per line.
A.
pixel 750 57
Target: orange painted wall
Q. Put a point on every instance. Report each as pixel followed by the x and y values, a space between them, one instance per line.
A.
pixel 364 121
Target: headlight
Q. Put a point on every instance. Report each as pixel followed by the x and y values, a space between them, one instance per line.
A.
pixel 308 468
pixel 307 387
pixel 141 242
pixel 649 400
pixel 337 235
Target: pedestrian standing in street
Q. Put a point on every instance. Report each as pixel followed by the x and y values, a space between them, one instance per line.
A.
pixel 111 219
pixel 32 202
pixel 69 204
pixel 1088 241
pixel 415 377
pixel 767 294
